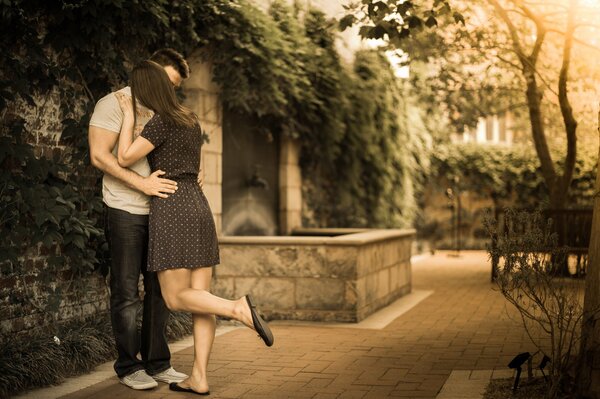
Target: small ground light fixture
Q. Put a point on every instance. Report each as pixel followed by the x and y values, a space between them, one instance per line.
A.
pixel 543 363
pixel 517 363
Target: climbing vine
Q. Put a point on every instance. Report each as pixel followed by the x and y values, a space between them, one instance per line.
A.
pixel 377 159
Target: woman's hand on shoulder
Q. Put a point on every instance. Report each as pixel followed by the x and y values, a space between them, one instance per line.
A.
pixel 126 106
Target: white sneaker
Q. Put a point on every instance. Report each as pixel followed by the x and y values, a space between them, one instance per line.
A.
pixel 169 375
pixel 139 380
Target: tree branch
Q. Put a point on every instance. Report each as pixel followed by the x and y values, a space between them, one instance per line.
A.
pixel 576 40
pixel 540 27
pixel 512 29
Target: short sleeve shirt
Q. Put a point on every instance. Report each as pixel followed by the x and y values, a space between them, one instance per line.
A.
pixel 108 115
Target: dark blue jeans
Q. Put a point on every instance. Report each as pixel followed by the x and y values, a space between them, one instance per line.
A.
pixel 127 236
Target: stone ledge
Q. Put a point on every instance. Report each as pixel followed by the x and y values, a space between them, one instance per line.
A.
pixel 327 231
pixel 342 316
pixel 360 238
pixel 368 237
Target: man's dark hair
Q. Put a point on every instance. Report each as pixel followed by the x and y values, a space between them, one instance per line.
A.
pixel 170 57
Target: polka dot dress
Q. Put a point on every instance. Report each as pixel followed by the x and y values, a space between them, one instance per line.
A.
pixel 181 227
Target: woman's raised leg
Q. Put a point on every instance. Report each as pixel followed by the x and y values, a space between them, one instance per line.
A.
pixel 179 295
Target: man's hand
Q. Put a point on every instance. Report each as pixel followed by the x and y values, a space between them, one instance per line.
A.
pixel 154 185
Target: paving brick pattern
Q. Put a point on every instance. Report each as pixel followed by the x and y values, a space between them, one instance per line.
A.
pixel 464 325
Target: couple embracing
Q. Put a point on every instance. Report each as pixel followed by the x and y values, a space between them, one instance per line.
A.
pixel 159 224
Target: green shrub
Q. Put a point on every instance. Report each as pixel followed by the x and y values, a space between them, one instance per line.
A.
pixel 510 174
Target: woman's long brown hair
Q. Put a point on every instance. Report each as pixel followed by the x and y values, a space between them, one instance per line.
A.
pixel 150 85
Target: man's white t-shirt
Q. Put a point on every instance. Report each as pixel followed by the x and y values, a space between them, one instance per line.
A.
pixel 108 115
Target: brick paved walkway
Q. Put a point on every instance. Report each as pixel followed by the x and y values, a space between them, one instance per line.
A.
pixel 463 325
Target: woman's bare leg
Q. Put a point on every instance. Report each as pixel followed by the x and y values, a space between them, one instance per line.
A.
pixel 204 333
pixel 187 290
pixel 176 288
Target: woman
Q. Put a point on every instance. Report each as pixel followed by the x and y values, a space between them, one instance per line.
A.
pixel 183 244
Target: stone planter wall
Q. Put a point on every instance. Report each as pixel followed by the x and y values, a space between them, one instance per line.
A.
pixel 342 278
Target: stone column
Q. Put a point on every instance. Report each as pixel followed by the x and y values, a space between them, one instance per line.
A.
pixel 480 135
pixel 510 127
pixel 495 130
pixel 202 96
pixel 290 186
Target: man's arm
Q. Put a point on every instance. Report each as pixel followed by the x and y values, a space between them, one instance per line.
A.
pixel 102 142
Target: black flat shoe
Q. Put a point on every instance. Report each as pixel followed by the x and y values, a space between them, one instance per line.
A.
pixel 175 387
pixel 261 326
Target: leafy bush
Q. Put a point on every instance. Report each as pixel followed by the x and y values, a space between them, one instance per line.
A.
pixel 42 204
pixel 551 308
pixel 510 174
pixel 492 176
pixel 375 177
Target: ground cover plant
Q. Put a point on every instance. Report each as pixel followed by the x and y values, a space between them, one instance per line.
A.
pixel 47 358
pixel 535 388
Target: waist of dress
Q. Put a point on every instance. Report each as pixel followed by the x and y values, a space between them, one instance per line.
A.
pixel 184 178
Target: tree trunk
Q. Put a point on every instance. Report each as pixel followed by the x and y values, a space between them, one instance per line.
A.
pixel 559 192
pixel 589 371
pixel 564 182
pixel 534 99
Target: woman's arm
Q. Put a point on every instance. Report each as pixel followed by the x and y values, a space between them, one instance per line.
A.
pixel 101 143
pixel 130 150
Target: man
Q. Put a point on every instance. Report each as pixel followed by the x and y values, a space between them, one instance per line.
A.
pixel 126 193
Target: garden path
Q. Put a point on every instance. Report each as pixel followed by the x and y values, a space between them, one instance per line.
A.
pixel 463 325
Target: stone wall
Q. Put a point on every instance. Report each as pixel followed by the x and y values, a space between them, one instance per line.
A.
pixel 202 96
pixel 28 297
pixel 343 278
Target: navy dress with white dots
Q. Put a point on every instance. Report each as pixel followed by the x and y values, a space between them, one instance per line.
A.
pixel 181 227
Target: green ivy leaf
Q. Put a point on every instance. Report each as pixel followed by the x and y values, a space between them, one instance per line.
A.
pixel 458 17
pixel 347 21
pixel 431 21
